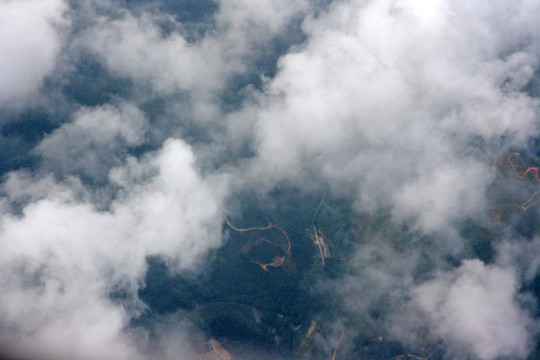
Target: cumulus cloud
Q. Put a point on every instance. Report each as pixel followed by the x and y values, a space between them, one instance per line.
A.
pixel 68 252
pixel 94 142
pixel 31 35
pixel 521 254
pixel 387 96
pixel 474 309
pixel 64 258
pixel 382 274
pixel 194 76
pixel 135 46
pixel 407 105
pixel 400 106
pixel 451 192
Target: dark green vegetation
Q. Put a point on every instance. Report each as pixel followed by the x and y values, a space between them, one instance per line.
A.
pixel 288 311
pixel 243 306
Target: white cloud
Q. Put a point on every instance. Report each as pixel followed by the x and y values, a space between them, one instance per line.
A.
pixel 405 106
pixel 521 254
pixel 135 47
pixel 387 96
pixel 94 142
pixel 382 274
pixel 62 257
pixel 474 310
pixel 450 192
pixel 31 33
pixel 401 105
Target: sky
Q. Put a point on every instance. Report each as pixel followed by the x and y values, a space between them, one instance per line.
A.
pixel 130 129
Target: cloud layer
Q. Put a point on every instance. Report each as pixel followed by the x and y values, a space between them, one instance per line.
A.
pixel 64 258
pixel 401 107
pixel 474 308
pixel 387 97
pixel 30 42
